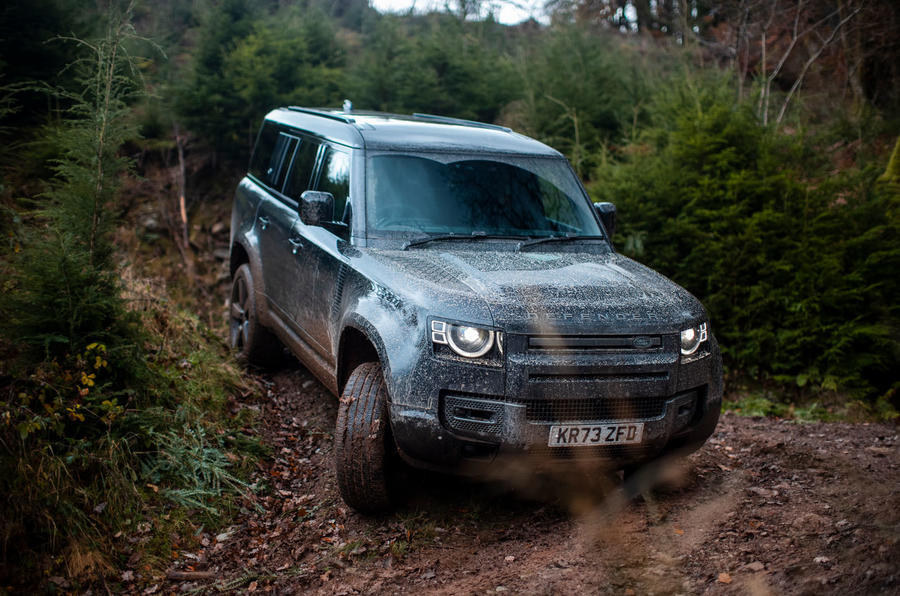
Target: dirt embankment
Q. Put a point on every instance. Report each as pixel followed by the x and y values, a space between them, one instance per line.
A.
pixel 765 507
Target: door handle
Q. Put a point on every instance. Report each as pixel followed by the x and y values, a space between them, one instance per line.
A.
pixel 263 222
pixel 296 243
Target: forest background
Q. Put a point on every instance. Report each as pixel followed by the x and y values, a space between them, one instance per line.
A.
pixel 751 147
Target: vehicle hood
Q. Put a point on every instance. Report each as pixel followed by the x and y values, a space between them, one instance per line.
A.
pixel 556 292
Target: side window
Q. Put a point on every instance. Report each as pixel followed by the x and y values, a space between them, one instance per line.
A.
pixel 281 159
pixel 335 178
pixel 298 179
pixel 284 150
pixel 262 153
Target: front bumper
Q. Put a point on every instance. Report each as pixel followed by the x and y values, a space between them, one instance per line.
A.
pixel 473 415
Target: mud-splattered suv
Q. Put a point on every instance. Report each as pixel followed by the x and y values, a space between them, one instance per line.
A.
pixel 452 283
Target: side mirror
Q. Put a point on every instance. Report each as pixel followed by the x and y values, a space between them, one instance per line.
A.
pixel 316 207
pixel 607 213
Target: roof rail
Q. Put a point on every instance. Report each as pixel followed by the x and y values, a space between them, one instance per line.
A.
pixel 324 112
pixel 449 120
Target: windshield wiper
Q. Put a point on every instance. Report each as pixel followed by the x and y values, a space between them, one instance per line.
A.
pixel 566 238
pixel 472 236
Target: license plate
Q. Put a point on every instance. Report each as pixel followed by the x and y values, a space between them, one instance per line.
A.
pixel 595 434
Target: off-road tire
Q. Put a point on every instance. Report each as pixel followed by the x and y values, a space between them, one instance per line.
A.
pixel 365 455
pixel 253 343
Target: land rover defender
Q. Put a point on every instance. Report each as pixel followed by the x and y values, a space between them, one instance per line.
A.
pixel 451 282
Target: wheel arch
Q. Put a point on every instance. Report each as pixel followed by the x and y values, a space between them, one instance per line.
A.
pixel 359 343
pixel 241 255
pixel 238 257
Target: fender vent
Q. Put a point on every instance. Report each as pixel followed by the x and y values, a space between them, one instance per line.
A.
pixel 338 291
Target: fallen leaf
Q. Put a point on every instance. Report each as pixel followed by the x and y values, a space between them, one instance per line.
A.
pixel 679 531
pixel 252 587
pixel 724 578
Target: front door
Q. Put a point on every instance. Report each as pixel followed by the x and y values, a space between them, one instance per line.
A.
pixel 316 252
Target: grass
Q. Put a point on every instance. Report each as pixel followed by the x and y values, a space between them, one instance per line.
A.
pixel 762 403
pixel 85 504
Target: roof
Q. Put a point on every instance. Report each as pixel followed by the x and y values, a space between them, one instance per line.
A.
pixel 418 132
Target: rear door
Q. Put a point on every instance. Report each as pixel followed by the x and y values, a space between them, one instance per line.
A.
pixel 276 216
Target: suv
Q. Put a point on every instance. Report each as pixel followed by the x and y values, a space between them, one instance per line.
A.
pixel 452 283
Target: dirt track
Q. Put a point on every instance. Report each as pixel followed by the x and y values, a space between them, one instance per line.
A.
pixel 766 507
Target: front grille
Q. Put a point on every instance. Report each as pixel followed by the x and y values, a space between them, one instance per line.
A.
pixel 605 343
pixel 594 409
pixel 572 377
pixel 484 415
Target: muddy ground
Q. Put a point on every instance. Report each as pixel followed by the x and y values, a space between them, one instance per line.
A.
pixel 766 507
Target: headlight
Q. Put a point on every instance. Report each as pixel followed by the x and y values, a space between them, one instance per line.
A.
pixel 465 340
pixel 693 338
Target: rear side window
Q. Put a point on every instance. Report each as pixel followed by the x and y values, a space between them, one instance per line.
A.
pixel 335 178
pixel 298 179
pixel 281 159
pixel 262 153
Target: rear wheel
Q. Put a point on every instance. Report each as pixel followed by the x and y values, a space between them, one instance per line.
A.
pixel 365 456
pixel 253 343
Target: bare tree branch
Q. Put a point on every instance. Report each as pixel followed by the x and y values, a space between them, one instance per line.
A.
pixel 825 43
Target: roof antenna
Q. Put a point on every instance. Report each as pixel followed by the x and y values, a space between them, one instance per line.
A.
pixel 348 106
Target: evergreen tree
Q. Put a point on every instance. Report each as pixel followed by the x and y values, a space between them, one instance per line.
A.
pixel 63 294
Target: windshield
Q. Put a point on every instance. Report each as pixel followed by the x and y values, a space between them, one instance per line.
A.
pixel 493 195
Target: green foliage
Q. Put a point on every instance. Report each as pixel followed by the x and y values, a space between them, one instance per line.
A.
pixel 797 268
pixel 76 469
pixel 62 293
pixel 248 63
pixel 197 467
pixel 581 89
pixel 105 385
pixel 768 404
pixel 758 405
pixel 30 51
pixel 440 65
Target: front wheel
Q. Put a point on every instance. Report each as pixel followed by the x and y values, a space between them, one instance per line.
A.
pixel 364 449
